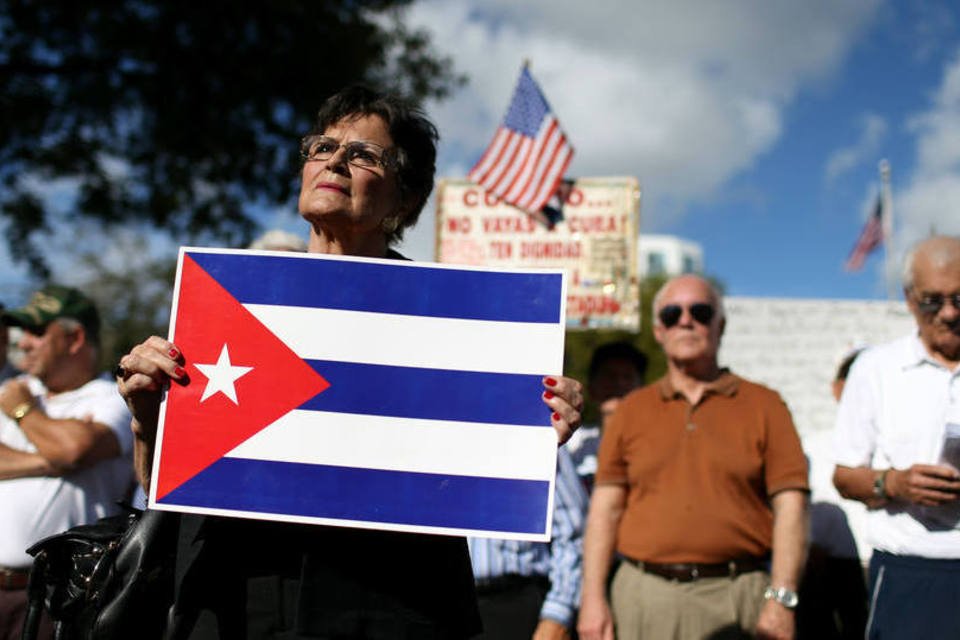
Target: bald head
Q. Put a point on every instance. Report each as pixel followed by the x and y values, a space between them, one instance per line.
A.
pixel 687 281
pixel 688 324
pixel 936 252
pixel 932 290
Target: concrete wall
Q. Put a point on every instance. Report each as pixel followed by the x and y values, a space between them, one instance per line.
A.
pixel 794 346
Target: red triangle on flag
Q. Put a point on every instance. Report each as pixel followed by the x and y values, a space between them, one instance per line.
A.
pixel 198 433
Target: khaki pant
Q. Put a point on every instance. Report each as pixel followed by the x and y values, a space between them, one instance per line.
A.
pixel 648 607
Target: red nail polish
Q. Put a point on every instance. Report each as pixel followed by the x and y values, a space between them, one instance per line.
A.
pixel 551 382
pixel 173 353
pixel 548 394
pixel 179 372
pixel 556 416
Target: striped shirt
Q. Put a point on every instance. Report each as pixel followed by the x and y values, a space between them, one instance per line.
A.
pixel 560 560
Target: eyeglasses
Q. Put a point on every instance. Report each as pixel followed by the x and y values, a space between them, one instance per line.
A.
pixel 699 311
pixel 359 153
pixel 930 304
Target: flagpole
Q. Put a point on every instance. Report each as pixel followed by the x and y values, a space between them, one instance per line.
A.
pixel 890 270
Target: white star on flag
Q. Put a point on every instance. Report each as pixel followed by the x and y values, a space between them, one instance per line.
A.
pixel 222 376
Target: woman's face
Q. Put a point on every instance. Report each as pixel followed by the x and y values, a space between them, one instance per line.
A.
pixel 343 197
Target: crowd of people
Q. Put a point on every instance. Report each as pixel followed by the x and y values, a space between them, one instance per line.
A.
pixel 683 513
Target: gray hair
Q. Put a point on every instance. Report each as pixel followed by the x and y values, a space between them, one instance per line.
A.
pixel 71 325
pixel 279 240
pixel 714 293
pixel 906 276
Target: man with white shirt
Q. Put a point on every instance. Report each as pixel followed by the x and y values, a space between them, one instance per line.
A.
pixel 65 441
pixel 897 433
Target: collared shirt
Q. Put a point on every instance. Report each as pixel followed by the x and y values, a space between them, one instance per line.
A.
pixel 699 477
pixel 895 407
pixel 559 560
pixel 583 446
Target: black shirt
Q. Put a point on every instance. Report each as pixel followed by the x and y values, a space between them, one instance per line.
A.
pixel 255 579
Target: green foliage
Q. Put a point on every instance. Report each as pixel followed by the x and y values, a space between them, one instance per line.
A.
pixel 133 302
pixel 185 115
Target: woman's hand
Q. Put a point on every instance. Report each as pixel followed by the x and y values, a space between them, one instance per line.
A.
pixel 565 397
pixel 142 376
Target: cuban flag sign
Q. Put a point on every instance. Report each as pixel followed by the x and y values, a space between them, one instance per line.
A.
pixel 367 393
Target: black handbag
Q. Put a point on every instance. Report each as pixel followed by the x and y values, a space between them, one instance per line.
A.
pixel 107 580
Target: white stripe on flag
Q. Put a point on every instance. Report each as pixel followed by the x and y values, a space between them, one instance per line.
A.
pixel 523 156
pixel 552 139
pixel 415 341
pixel 514 190
pixel 400 444
pixel 489 158
pixel 503 162
pixel 554 173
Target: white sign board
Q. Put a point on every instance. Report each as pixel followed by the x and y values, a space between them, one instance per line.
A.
pixel 794 347
pixel 595 241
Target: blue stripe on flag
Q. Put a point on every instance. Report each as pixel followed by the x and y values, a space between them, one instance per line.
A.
pixel 528 107
pixel 430 394
pixel 386 288
pixel 347 493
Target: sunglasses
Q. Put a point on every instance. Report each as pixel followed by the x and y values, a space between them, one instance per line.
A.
pixel 930 304
pixel 699 311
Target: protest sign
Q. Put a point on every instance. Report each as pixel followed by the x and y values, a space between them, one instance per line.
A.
pixel 371 393
pixel 595 241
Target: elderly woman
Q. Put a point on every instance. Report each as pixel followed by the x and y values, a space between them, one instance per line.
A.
pixel 368 170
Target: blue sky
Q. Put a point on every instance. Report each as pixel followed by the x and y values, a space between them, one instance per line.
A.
pixel 754 126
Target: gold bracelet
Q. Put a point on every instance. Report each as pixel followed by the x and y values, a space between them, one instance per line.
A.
pixel 21 410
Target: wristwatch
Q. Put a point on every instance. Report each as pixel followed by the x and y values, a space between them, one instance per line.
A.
pixel 880 485
pixel 784 596
pixel 20 411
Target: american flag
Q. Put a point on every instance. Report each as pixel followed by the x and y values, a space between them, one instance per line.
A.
pixel 529 153
pixel 870 238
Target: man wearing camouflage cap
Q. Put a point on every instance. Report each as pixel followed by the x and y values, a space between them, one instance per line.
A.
pixel 64 438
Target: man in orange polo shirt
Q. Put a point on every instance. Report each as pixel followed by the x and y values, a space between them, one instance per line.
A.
pixel 702 488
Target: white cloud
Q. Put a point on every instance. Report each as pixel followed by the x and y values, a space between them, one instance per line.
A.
pixel 931 199
pixel 873 129
pixel 683 95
